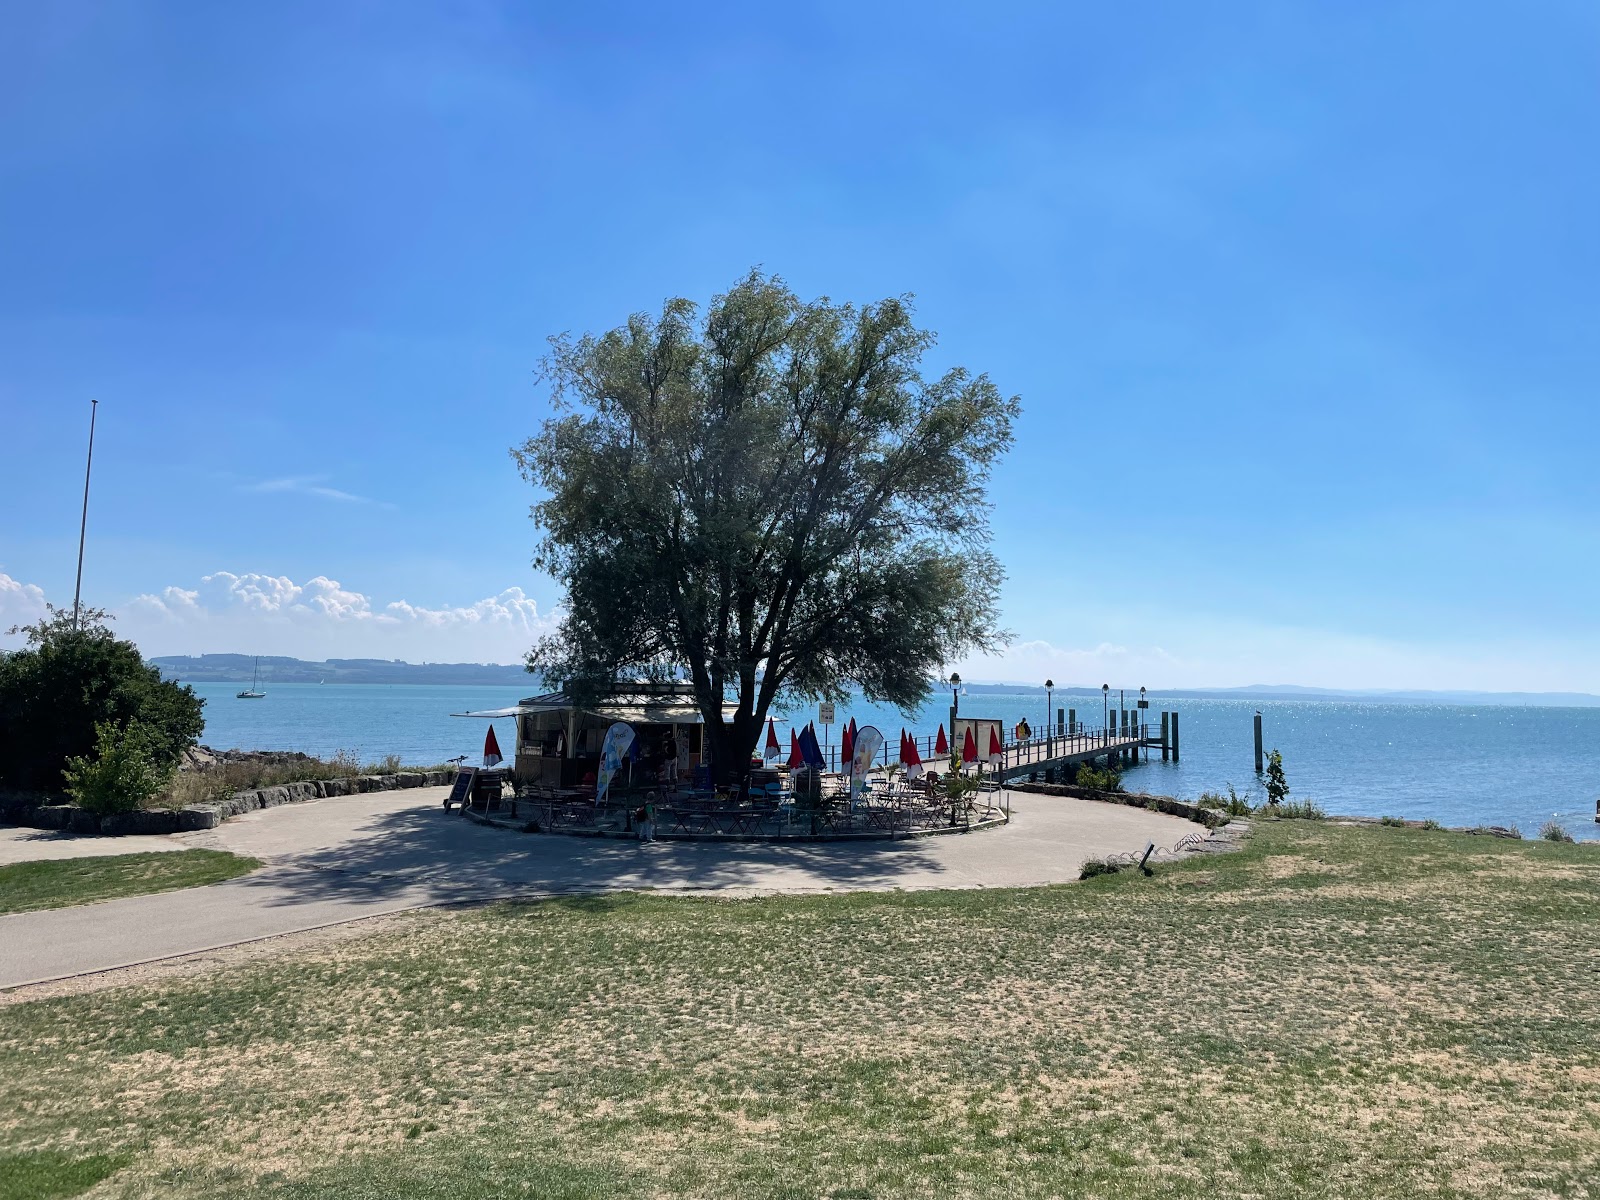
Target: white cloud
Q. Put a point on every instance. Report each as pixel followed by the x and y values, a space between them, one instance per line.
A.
pixel 321 618
pixel 312 485
pixel 20 603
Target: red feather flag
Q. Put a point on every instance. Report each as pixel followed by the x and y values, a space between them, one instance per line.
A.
pixel 941 747
pixel 969 747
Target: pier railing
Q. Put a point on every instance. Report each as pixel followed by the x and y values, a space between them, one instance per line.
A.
pixel 1017 753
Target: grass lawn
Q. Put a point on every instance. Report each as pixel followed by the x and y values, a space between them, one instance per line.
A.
pixel 59 882
pixel 1333 1012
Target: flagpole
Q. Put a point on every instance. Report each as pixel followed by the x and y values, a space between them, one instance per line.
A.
pixel 83 525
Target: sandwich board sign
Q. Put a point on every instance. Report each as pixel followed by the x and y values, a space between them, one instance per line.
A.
pixel 461 790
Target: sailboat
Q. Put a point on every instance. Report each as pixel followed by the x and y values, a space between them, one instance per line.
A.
pixel 251 693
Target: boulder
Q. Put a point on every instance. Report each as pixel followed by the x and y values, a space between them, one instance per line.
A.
pixel 199 816
pixel 53 816
pixel 83 821
pixel 411 779
pixel 387 783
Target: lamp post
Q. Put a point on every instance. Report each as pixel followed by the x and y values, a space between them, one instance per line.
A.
pixel 1138 730
pixel 1105 728
pixel 1049 718
pixel 955 704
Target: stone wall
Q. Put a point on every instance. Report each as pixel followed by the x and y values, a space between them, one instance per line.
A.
pixel 1208 817
pixel 38 813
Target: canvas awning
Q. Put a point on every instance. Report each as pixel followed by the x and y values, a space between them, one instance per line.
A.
pixel 633 714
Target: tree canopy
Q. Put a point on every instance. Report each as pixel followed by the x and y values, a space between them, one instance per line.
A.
pixel 767 496
pixel 65 682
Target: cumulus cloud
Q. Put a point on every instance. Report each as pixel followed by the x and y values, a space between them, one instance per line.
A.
pixel 273 614
pixel 20 603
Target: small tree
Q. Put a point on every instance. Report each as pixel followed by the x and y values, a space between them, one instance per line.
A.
pixel 57 691
pixel 123 773
pixel 1277 784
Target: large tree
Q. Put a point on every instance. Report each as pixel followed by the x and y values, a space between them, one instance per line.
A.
pixel 769 497
pixel 74 676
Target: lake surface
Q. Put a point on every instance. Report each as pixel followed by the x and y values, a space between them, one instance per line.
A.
pixel 1462 765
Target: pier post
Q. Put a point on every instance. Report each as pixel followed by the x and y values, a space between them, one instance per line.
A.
pixel 1061 721
pixel 1166 744
pixel 1258 743
pixel 1174 737
pixel 1072 722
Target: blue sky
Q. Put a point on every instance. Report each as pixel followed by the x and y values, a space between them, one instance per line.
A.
pixel 1301 295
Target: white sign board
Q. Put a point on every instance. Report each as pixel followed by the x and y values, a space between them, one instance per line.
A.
pixel 825 712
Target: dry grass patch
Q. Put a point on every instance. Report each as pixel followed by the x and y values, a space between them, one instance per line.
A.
pixel 1331 1012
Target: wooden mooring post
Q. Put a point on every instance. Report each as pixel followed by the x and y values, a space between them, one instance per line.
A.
pixel 1166 734
pixel 1072 722
pixel 1258 744
pixel 1174 737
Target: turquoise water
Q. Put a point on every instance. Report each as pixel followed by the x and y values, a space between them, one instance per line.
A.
pixel 1493 765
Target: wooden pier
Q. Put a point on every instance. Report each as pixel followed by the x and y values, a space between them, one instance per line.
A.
pixel 1059 752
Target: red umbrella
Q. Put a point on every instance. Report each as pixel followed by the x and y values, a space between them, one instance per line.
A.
pixel 969 747
pixel 773 749
pixel 910 757
pixel 795 757
pixel 491 750
pixel 847 745
pixel 902 743
pixel 994 744
pixel 941 747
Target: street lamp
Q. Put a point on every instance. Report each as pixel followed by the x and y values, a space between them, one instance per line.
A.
pixel 955 704
pixel 1049 718
pixel 1105 696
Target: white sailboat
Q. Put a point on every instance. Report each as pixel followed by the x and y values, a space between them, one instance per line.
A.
pixel 251 693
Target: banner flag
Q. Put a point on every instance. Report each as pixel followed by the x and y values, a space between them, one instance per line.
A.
pixel 618 738
pixel 868 741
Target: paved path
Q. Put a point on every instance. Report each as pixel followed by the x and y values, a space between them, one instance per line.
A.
pixel 356 856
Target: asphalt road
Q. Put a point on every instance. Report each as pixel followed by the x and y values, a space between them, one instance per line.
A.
pixel 341 859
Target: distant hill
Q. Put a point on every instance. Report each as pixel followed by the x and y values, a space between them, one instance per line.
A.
pixel 1289 691
pixel 236 668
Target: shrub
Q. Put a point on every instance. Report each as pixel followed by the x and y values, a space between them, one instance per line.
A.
pixel 57 691
pixel 1554 831
pixel 1099 866
pixel 122 775
pixel 1107 780
pixel 1395 821
pixel 1430 823
pixel 1277 782
pixel 1304 810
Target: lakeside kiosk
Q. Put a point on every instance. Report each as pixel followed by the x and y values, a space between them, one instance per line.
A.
pixel 558 742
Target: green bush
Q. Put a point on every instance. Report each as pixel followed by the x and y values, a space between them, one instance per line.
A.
pixel 1430 823
pixel 1554 831
pixel 1277 782
pixel 1099 866
pixel 65 683
pixel 122 775
pixel 1303 810
pixel 1108 779
pixel 1396 821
